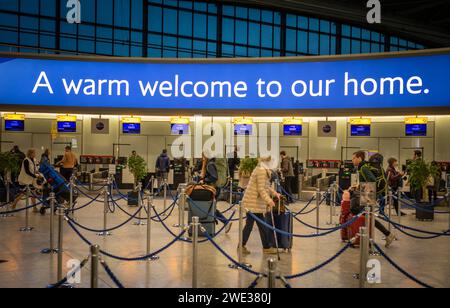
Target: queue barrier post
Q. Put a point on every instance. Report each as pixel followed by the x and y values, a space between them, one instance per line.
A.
pixel 334 197
pixel 27 227
pixel 71 187
pixel 165 195
pixel 399 207
pixel 149 229
pixel 95 259
pixel 231 190
pixel 318 196
pixel 51 249
pixel 139 221
pixel 271 275
pixel 331 196
pixel 105 213
pixel 181 209
pixel 390 204
pixel 195 231
pixel 364 257
pixel 60 242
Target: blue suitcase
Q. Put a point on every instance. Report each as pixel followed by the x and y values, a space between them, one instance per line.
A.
pixel 58 184
pixel 285 222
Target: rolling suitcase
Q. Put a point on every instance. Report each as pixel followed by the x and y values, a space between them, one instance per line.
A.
pixel 353 229
pixel 425 212
pixel 58 184
pixel 202 204
pixel 345 213
pixel 285 222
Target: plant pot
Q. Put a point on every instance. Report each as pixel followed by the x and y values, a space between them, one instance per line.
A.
pixel 133 197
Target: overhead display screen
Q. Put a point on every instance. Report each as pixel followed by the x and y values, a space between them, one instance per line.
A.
pixel 179 129
pixel 292 130
pixel 408 80
pixel 416 130
pixel 243 129
pixel 14 125
pixel 131 128
pixel 67 127
pixel 360 130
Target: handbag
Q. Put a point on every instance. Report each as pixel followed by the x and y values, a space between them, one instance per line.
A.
pixel 280 205
pixel 191 189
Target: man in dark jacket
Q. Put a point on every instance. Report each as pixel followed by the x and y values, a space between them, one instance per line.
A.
pixel 367 176
pixel 210 176
pixel 163 165
pixel 287 168
pixel 233 162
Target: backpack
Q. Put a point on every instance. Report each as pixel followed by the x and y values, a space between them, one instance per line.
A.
pixel 222 172
pixel 375 165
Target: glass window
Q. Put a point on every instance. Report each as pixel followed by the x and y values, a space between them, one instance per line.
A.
pixel 170 21
pixel 154 18
pixel 104 12
pixel 200 25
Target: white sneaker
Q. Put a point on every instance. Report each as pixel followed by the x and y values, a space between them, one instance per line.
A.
pixel 389 240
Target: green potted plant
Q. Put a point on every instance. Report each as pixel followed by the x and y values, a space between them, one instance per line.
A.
pixel 9 164
pixel 138 168
pixel 246 168
pixel 420 173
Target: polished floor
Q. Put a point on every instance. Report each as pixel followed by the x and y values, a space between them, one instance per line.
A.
pixel 428 260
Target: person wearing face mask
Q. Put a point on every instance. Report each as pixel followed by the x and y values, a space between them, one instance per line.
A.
pixel 394 178
pixel 258 200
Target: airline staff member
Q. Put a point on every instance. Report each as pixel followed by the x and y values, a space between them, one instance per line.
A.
pixel 68 163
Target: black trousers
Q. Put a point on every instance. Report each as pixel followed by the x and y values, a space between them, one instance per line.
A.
pixel 382 228
pixel 288 186
pixel 66 173
pixel 267 238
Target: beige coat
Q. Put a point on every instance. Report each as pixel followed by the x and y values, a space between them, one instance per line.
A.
pixel 258 194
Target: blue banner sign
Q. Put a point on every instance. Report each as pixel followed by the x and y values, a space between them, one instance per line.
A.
pixel 392 81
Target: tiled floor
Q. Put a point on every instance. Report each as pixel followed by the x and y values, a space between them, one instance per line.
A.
pixel 429 260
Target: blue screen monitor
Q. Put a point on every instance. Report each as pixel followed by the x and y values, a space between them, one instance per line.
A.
pixel 14 125
pixel 360 130
pixel 416 130
pixel 131 128
pixel 293 130
pixel 67 127
pixel 243 129
pixel 179 129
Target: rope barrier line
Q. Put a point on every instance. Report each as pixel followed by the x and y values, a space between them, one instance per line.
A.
pixel 306 206
pixel 385 218
pixel 86 205
pixel 79 184
pixel 320 266
pixel 170 208
pixel 107 230
pixel 206 213
pixel 417 206
pixel 189 241
pixel 304 236
pixel 84 239
pixel 111 274
pixel 21 209
pixel 396 266
pixel 73 272
pixel 243 266
pixel 255 282
pixel 311 226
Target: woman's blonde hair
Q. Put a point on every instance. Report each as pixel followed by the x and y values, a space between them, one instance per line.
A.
pixel 265 159
pixel 30 152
